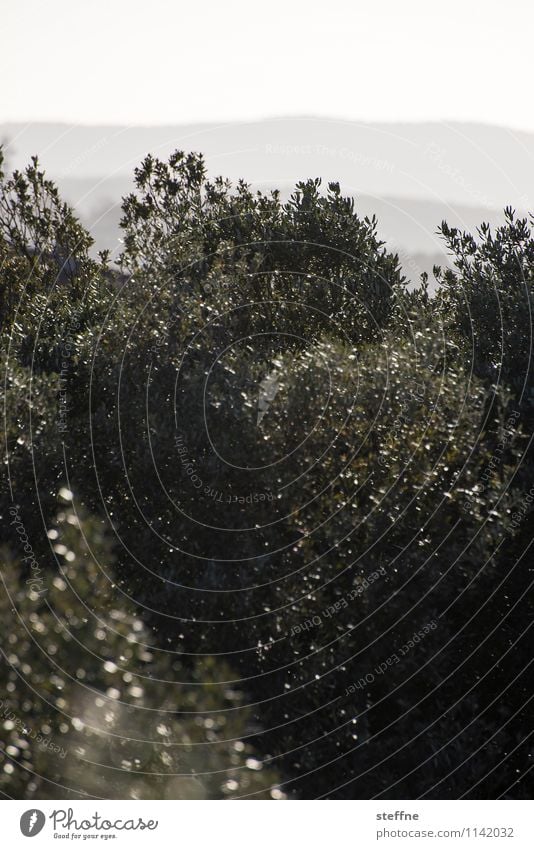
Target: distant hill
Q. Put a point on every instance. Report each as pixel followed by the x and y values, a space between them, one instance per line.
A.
pixel 411 176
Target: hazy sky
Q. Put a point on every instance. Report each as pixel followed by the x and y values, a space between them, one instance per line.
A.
pixel 169 61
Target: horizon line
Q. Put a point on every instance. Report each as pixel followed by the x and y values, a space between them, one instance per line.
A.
pixel 63 122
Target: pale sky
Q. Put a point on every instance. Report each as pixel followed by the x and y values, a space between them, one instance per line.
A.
pixel 169 61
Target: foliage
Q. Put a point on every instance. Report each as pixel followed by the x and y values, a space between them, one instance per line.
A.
pixel 281 466
pixel 91 706
pixel 486 300
pixel 206 240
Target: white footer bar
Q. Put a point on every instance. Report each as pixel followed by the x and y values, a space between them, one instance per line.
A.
pixel 264 825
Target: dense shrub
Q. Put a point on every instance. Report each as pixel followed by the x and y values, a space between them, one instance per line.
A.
pixel 90 705
pixel 486 300
pixel 294 485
